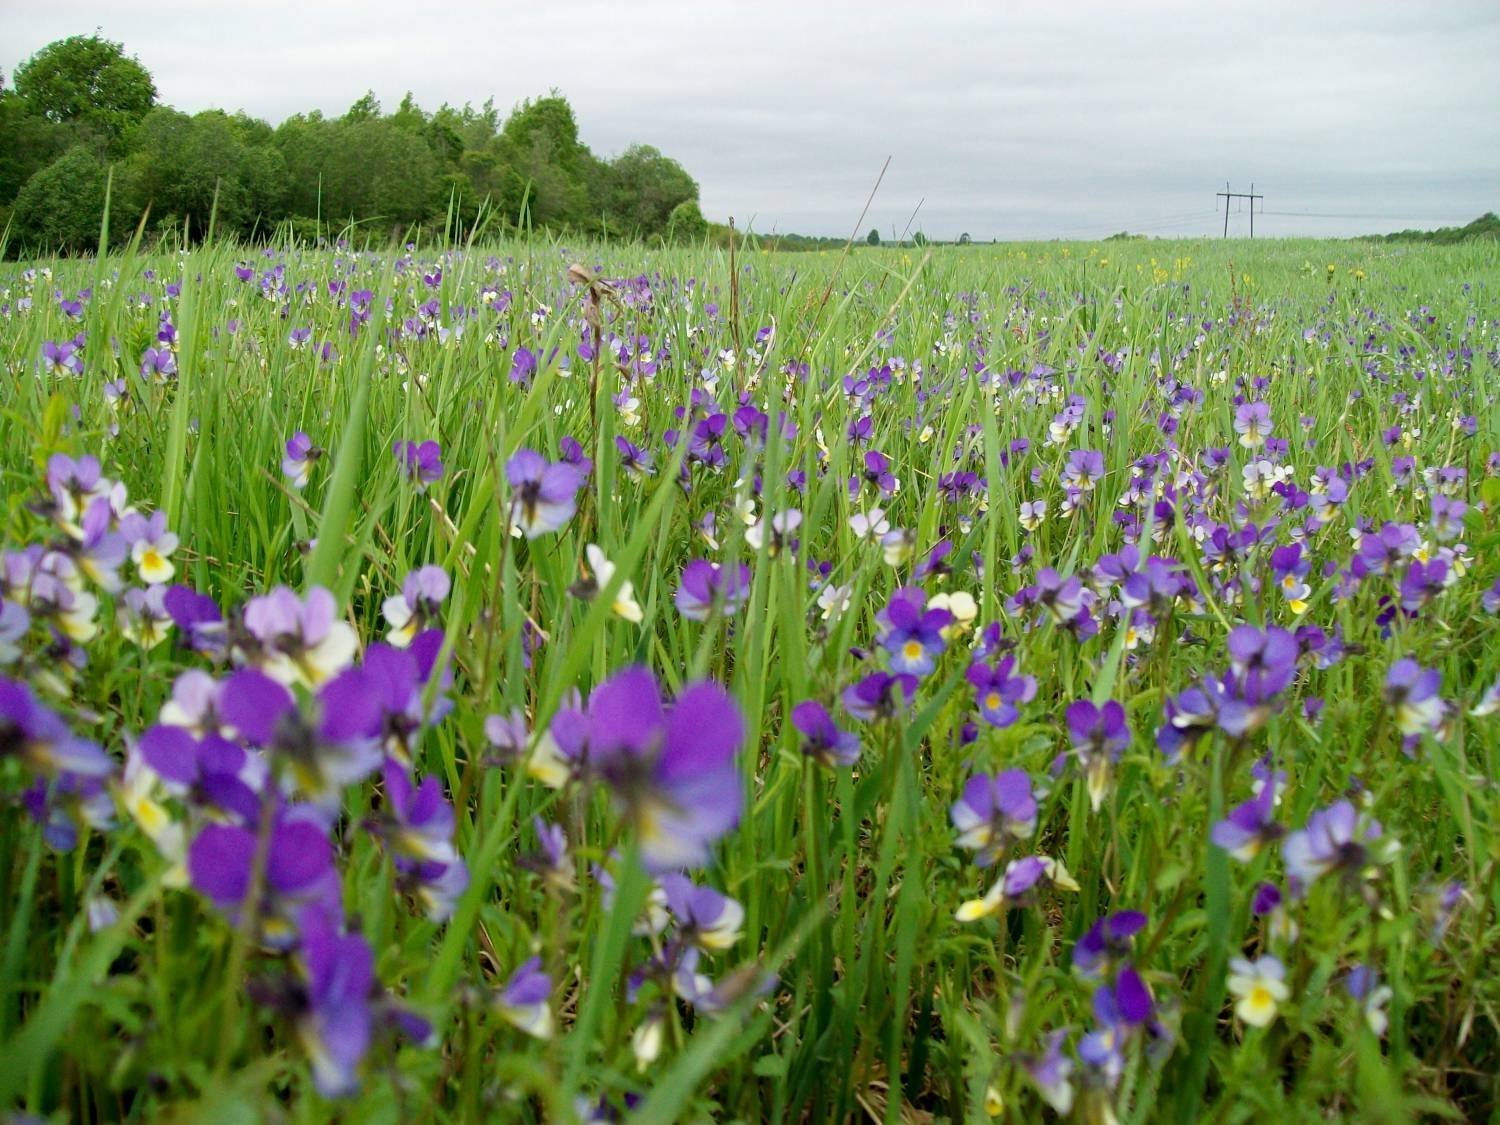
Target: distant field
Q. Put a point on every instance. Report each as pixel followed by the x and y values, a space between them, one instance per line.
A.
pixel 543 679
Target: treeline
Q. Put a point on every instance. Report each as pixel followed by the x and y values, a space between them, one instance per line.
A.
pixel 82 123
pixel 1486 226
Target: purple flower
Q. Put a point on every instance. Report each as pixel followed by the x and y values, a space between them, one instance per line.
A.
pixel 419 606
pixel 671 772
pixel 993 812
pixel 522 366
pixel 543 495
pixel 297 465
pixel 707 586
pixel 997 692
pixel 422 463
pixel 822 740
pixel 1249 826
pixel 295 640
pixel 911 636
pixel 421 820
pixel 705 918
pixel 32 732
pixel 879 695
pixel 1084 469
pixel 1099 735
pixel 334 1025
pixel 300 880
pixel 1108 940
pixel 62 359
pixel 1052 1073
pixel 1411 691
pixel 1332 841
pixel 158 365
pixel 199 622
pixel 1252 421
pixel 525 1001
pixel 319 759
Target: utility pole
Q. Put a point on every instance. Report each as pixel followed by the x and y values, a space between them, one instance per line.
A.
pixel 1227 195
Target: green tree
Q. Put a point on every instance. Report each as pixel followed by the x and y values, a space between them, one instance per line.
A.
pixel 28 143
pixel 89 80
pixel 61 207
pixel 873 238
pixel 365 108
pixel 643 189
pixel 964 239
pixel 919 239
pixel 686 223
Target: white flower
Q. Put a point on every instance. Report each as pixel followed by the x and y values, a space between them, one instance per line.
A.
pixel 1260 986
pixel 624 604
pixel 870 525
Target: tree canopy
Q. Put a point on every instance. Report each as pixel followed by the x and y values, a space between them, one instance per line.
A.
pixel 83 113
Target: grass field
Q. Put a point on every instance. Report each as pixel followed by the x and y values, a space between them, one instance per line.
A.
pixel 917 686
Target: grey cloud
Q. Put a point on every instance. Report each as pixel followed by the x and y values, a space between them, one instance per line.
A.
pixel 1011 120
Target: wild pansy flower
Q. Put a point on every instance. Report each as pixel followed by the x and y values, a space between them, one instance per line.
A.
pixel 705 918
pixel 1411 692
pixel 62 359
pixel 421 820
pixel 623 604
pixel 776 535
pixel 871 525
pixel 1363 984
pixel 334 1023
pixel 142 616
pixel 1033 512
pixel 880 695
pixel 158 365
pixel 994 812
pixel 1262 665
pixel 543 495
pixel 960 605
pixel 1333 841
pixel 897 545
pixel 320 758
pixel 295 640
pixel 1249 826
pixel 553 860
pixel 300 880
pixel 1260 985
pixel 1489 702
pixel 1107 942
pixel 199 621
pixel 151 545
pixel 1083 469
pixel 997 692
pixel 419 605
pixel 33 733
pixel 822 740
pixel 1290 570
pixel 634 461
pixel 912 634
pixel 671 771
pixel 525 1001
pixel 297 464
pixel 1121 1009
pixel 1016 884
pixel 1099 736
pixel 1252 421
pixel 15 622
pixel 706 587
pixel 1051 1074
pixel 422 464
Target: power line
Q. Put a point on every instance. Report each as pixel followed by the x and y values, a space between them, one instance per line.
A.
pixel 1227 195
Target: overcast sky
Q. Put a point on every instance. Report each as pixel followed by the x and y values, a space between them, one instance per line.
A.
pixel 1009 120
